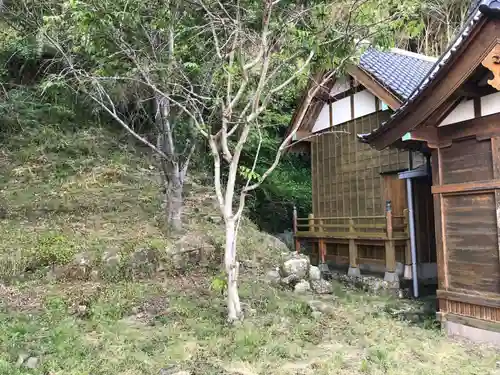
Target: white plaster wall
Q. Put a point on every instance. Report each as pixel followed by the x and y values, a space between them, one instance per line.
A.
pixel 490 104
pixel 323 120
pixel 364 103
pixel 462 112
pixel 342 111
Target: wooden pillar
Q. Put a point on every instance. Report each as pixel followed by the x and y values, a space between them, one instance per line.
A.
pixel 408 261
pixel 316 244
pixel 295 229
pixel 322 244
pixel 390 249
pixel 353 251
pixel 311 222
pixel 322 250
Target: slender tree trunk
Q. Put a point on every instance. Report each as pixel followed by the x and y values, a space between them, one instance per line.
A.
pixel 172 171
pixel 232 269
pixel 174 202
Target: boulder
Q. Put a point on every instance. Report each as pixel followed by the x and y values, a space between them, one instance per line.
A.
pixel 21 359
pixel 296 264
pixel 55 273
pixel 273 277
pixel 111 266
pixel 321 286
pixel 290 281
pixel 322 307
pixel 314 273
pixel 302 287
pixel 31 363
pixel 317 315
pixel 188 251
pixel 143 263
pixel 111 258
pixel 79 268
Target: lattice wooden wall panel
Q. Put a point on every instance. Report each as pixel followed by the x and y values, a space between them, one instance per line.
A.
pixel 346 173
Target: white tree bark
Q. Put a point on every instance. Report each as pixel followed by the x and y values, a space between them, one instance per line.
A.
pixel 232 270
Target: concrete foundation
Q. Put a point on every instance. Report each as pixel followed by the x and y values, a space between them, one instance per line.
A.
pixel 471 333
pixel 391 277
pixel 380 268
pixel 354 272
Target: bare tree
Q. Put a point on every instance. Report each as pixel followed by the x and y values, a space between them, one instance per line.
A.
pixel 226 61
pixel 143 59
pixel 252 80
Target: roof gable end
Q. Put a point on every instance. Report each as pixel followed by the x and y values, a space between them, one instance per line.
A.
pixel 477 38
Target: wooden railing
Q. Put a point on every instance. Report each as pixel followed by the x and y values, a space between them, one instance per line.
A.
pixel 380 230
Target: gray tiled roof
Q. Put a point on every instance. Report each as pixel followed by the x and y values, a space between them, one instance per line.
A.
pixel 487 7
pixel 400 73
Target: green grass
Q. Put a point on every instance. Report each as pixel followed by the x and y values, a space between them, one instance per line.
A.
pixel 64 192
pixel 186 327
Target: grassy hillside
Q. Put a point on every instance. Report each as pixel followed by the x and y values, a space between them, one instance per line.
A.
pixel 70 192
pixel 66 192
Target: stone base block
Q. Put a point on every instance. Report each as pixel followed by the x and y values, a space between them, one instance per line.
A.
pixel 472 333
pixel 391 277
pixel 408 273
pixel 354 272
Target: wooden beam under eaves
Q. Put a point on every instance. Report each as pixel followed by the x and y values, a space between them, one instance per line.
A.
pixel 374 87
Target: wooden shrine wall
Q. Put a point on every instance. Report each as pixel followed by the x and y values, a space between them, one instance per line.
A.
pixel 346 173
pixel 467 207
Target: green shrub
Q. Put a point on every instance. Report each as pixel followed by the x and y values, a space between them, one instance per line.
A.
pixel 53 248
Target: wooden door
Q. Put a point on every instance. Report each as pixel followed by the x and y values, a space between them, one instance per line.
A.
pixel 395 191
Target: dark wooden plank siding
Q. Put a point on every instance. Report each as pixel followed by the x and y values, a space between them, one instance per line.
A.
pixel 472 242
pixel 424 220
pixel 467 161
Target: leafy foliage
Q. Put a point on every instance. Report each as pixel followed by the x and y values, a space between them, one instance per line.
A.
pixel 96 32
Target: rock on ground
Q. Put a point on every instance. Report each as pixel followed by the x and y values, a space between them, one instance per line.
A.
pixel 290 281
pixel 296 264
pixel 20 360
pixel 143 263
pixel 31 363
pixel 78 268
pixel 274 243
pixel 321 287
pixel 317 315
pixel 314 273
pixel 189 251
pixel 302 286
pixel 322 307
pixel 273 277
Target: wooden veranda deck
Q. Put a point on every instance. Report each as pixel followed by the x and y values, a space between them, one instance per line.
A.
pixel 370 240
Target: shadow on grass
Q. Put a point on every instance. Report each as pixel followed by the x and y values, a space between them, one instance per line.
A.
pixel 416 312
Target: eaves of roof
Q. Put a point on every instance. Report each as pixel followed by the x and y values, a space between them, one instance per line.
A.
pixel 490 8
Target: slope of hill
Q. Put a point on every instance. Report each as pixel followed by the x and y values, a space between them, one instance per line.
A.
pixel 79 203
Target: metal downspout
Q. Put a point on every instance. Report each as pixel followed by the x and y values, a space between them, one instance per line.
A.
pixel 411 219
